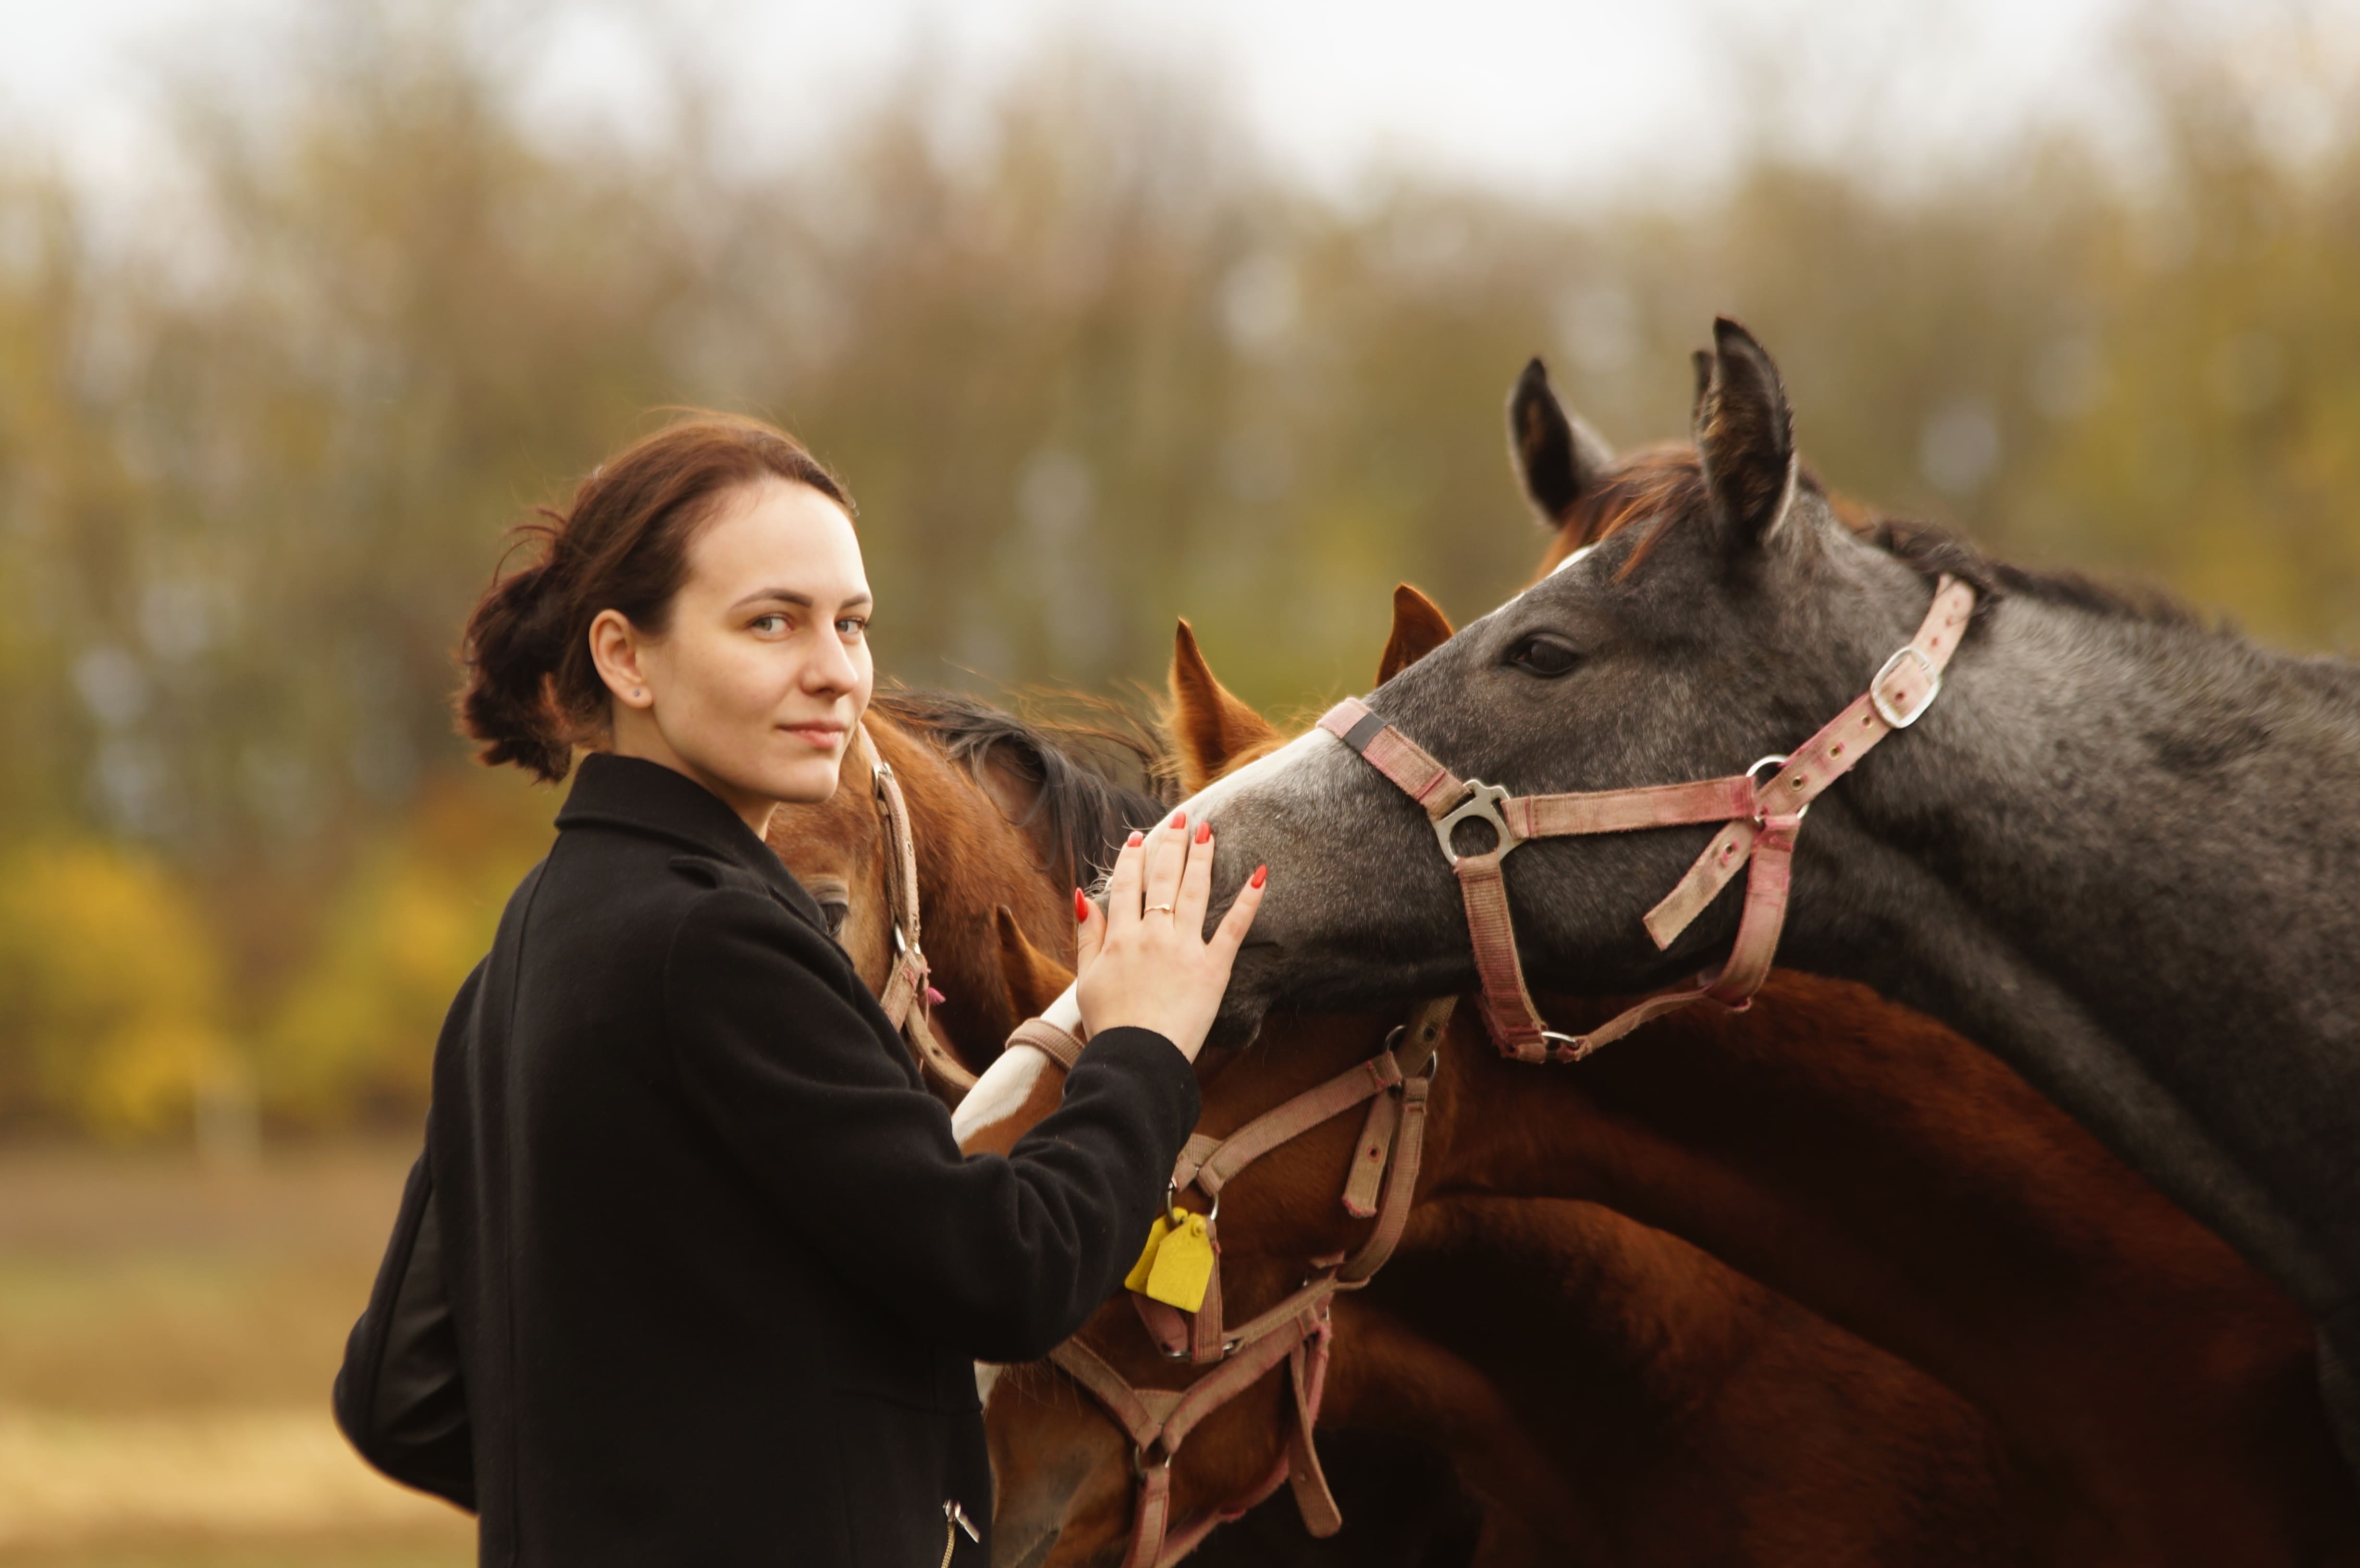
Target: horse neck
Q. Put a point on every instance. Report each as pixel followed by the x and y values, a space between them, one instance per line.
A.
pixel 1652 1371
pixel 2123 853
pixel 1881 1172
pixel 972 860
pixel 1386 1378
pixel 2123 792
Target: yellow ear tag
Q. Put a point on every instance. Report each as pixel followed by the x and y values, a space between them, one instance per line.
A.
pixel 1183 1266
pixel 1137 1279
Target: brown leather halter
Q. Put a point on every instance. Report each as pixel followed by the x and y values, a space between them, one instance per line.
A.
pixel 1761 821
pixel 906 998
pixel 1298 1330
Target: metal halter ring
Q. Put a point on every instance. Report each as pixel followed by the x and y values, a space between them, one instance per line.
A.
pixel 1772 761
pixel 1174 1216
pixel 1483 805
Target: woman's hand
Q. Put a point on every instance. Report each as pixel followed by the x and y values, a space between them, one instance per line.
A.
pixel 1145 960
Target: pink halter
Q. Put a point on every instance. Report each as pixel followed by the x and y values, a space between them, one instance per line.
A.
pixel 1761 822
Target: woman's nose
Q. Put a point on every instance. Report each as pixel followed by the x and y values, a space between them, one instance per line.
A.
pixel 833 670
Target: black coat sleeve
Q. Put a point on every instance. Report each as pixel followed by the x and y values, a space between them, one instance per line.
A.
pixel 399 1396
pixel 997 1258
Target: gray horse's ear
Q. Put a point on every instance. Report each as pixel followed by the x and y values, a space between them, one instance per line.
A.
pixel 1559 457
pixel 1744 434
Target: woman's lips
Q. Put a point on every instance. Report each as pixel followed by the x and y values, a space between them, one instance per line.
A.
pixel 819 737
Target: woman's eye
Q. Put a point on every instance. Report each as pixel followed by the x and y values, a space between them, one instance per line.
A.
pixel 1543 655
pixel 851 627
pixel 834 914
pixel 772 623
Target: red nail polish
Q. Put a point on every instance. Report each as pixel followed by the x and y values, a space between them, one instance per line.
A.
pixel 1261 875
pixel 1135 839
pixel 1081 906
pixel 1179 820
pixel 1204 832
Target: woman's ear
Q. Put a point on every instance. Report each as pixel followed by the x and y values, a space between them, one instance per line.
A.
pixel 615 648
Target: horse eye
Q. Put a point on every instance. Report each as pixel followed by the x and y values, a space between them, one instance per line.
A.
pixel 834 914
pixel 1542 655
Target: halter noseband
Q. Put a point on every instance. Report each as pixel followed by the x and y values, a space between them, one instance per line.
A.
pixel 906 998
pixel 1758 836
pixel 1298 1330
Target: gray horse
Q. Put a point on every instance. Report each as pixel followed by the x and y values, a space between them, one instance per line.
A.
pixel 2122 850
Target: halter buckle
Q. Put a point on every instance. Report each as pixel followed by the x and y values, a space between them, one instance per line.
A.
pixel 1483 804
pixel 1774 761
pixel 1885 710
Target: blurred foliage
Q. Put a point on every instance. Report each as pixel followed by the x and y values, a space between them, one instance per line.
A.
pixel 114 1016
pixel 354 1032
pixel 1087 366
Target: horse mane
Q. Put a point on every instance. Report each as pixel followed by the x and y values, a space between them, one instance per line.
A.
pixel 1665 483
pixel 1082 774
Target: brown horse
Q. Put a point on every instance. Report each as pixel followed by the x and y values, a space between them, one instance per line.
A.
pixel 1607 1393
pixel 1876 1167
pixel 1006 815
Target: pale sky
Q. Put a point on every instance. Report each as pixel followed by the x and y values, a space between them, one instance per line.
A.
pixel 1556 98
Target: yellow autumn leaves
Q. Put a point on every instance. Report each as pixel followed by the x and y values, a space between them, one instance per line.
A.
pixel 120 1019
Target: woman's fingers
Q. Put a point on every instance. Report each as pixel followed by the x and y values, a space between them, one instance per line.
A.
pixel 1168 855
pixel 1231 932
pixel 1122 885
pixel 1089 933
pixel 1196 882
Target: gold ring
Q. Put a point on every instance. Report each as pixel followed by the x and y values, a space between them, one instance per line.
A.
pixel 1156 910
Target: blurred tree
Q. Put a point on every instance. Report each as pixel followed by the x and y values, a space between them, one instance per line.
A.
pixel 114 998
pixel 353 1035
pixel 1088 365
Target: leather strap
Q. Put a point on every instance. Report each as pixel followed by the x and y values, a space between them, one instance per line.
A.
pixel 1396 756
pixel 1284 1123
pixel 906 995
pixel 1298 1329
pixel 1056 1044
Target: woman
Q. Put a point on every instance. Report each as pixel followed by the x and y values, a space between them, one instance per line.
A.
pixel 692 1270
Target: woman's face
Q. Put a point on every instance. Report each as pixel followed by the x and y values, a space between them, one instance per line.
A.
pixel 754 687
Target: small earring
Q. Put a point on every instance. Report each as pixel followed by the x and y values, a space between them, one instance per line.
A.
pixel 636 693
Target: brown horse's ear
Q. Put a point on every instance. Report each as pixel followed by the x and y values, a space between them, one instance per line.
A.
pixel 1419 627
pixel 1744 435
pixel 1209 726
pixel 1033 978
pixel 1559 457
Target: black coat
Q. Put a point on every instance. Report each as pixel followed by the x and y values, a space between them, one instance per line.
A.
pixel 707 1258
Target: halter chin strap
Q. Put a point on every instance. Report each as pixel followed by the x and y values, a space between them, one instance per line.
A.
pixel 1299 1330
pixel 1758 836
pixel 906 996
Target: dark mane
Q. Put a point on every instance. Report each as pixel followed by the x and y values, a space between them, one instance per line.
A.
pixel 1093 782
pixel 1934 551
pixel 1667 482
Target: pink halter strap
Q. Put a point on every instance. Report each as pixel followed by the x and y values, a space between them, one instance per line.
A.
pixel 1298 1330
pixel 906 995
pixel 1761 820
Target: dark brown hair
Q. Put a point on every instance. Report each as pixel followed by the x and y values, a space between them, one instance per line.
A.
pixel 533 692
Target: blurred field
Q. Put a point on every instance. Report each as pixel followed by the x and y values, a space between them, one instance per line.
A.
pixel 168 1334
